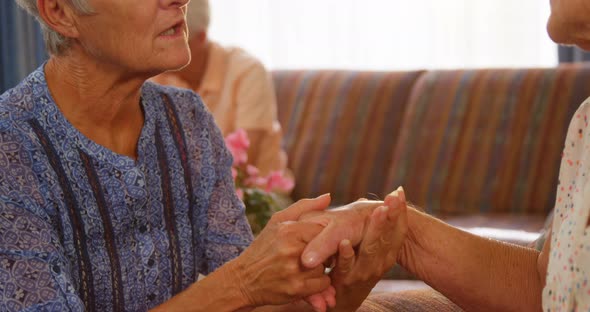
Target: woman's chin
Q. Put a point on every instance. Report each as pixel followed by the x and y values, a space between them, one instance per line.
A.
pixel 179 66
pixel 176 63
pixel 174 59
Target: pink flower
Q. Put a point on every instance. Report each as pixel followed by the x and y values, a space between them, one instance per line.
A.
pixel 234 173
pixel 253 178
pixel 240 194
pixel 258 182
pixel 277 181
pixel 238 144
pixel 252 171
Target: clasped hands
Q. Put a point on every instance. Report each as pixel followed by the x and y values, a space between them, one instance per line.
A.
pixel 287 261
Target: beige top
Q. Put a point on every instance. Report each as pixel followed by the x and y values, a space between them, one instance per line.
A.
pixel 239 92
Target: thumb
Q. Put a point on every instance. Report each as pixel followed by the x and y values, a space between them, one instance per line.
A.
pixel 293 212
pixel 318 302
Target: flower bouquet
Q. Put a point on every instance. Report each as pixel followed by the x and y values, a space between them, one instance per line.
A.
pixel 260 194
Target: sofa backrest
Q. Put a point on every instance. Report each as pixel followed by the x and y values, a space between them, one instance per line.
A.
pixel 340 128
pixel 486 140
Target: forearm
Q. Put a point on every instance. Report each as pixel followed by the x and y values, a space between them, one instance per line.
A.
pixel 476 273
pixel 216 292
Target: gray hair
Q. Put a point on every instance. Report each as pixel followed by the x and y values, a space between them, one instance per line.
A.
pixel 55 42
pixel 198 16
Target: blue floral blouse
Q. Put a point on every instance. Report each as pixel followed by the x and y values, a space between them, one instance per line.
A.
pixel 85 229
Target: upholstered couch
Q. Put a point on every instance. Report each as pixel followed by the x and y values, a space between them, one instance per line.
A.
pixel 478 148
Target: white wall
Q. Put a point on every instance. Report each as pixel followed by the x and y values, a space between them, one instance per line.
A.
pixel 387 34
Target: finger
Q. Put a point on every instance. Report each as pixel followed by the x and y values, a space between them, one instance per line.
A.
pixel 399 192
pixel 383 240
pixel 397 219
pixel 322 246
pixel 315 272
pixel 303 231
pixel 290 238
pixel 401 226
pixel 377 244
pixel 326 243
pixel 318 302
pixel 377 231
pixel 394 202
pixel 345 262
pixel 390 196
pixel 293 212
pixel 316 285
pixel 330 296
pixel 402 194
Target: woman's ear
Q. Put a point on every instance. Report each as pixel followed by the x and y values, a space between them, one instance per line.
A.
pixel 59 16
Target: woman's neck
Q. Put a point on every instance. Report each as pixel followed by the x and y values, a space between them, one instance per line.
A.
pixel 194 72
pixel 100 101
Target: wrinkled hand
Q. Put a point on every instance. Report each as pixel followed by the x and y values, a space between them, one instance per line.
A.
pixel 269 272
pixel 356 273
pixel 347 222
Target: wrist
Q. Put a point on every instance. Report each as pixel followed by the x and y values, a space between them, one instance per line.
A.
pixel 216 292
pixel 234 283
pixel 418 245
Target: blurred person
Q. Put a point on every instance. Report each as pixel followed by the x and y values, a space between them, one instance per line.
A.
pixel 236 88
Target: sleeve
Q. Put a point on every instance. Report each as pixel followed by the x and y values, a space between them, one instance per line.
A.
pixel 257 110
pixel 34 272
pixel 256 100
pixel 227 231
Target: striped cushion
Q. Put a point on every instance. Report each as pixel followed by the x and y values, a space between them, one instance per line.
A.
pixel 340 128
pixel 487 140
pixel 415 299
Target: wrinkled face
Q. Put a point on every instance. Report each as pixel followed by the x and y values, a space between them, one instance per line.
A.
pixel 569 22
pixel 137 35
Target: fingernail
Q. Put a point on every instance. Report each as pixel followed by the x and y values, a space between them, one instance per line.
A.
pixel 323 196
pixel 345 243
pixel 311 258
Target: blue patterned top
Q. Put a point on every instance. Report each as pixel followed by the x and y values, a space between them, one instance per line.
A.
pixel 85 229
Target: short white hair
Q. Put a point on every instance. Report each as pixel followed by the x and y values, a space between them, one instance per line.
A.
pixel 198 16
pixel 55 43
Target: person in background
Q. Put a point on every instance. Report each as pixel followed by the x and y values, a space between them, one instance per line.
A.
pixel 236 88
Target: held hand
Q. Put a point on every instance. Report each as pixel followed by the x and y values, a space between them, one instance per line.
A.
pixel 269 272
pixel 324 300
pixel 348 222
pixel 356 273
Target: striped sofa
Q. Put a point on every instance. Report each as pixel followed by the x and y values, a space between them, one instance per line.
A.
pixel 480 148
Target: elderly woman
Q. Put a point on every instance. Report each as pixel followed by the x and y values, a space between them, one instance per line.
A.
pixel 116 194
